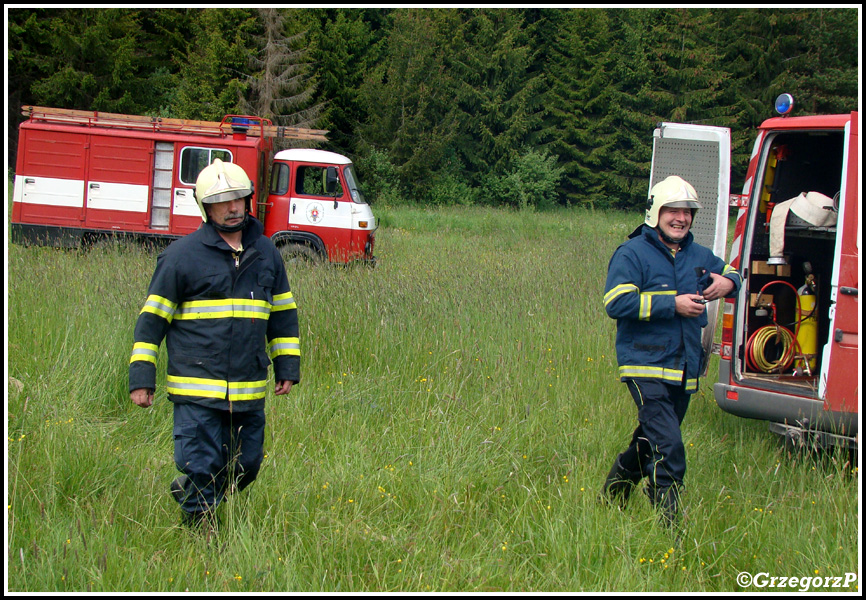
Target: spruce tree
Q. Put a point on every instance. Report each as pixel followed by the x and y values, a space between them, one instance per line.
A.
pixel 624 131
pixel 280 87
pixel 409 96
pixel 212 76
pixel 344 51
pixel 576 100
pixel 497 98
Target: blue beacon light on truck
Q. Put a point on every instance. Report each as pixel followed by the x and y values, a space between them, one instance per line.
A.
pixel 784 104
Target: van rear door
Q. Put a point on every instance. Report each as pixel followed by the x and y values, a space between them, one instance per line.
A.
pixel 701 155
pixel 839 391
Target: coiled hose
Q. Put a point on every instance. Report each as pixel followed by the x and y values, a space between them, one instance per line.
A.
pixel 758 341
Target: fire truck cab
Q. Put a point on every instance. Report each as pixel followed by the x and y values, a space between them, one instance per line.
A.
pixel 315 207
pixel 82 174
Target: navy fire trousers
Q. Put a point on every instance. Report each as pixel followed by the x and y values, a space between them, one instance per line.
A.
pixel 218 450
pixel 656 448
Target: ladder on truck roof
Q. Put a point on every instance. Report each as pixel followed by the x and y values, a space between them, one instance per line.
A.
pixel 255 126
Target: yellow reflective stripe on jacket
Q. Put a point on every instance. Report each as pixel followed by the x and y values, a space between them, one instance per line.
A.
pixel 674 376
pixel 196 386
pixel 216 388
pixel 144 351
pixel 161 307
pixel 728 270
pixel 669 375
pixel 646 303
pixel 646 307
pixel 247 390
pixel 223 309
pixel 284 302
pixel 623 288
pixel 289 346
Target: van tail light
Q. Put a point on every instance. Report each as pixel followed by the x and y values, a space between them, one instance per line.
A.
pixel 728 322
pixel 726 350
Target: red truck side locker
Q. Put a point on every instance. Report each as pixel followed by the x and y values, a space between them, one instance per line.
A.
pixel 119 174
pixel 51 175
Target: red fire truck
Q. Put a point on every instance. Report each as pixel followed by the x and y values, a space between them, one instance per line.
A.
pixel 81 174
pixel 790 339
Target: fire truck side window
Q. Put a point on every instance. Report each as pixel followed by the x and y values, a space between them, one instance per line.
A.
pixel 193 160
pixel 311 182
pixel 280 179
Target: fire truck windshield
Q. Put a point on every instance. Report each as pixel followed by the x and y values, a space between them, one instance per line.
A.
pixel 352 181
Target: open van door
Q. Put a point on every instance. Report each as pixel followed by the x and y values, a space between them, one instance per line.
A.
pixel 840 352
pixel 701 155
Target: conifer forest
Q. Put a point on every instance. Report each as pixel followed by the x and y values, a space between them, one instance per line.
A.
pixel 500 106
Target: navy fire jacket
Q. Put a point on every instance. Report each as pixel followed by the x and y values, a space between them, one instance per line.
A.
pixel 224 315
pixel 643 279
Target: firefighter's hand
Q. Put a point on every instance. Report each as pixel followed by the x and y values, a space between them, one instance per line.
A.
pixel 282 387
pixel 719 288
pixel 690 305
pixel 143 397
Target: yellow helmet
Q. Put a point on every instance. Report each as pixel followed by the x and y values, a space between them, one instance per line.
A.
pixel 674 192
pixel 220 182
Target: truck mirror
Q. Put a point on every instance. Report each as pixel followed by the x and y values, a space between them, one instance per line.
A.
pixel 331 180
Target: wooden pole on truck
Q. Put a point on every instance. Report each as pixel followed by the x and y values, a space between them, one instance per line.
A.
pixel 255 126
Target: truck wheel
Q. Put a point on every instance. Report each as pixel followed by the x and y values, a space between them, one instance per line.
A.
pixel 299 253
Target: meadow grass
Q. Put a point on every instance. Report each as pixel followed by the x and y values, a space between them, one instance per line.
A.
pixel 458 413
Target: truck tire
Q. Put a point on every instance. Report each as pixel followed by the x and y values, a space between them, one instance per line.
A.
pixel 299 253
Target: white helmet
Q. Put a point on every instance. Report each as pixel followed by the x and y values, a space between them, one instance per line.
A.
pixel 221 182
pixel 674 192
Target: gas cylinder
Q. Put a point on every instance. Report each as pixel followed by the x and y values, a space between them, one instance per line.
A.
pixel 807 331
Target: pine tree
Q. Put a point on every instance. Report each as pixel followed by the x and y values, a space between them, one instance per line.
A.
pixel 687 80
pixel 823 75
pixel 89 59
pixel 624 131
pixel 28 38
pixel 756 48
pixel 112 60
pixel 409 95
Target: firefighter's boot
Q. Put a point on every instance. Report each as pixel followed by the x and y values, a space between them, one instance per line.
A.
pixel 666 501
pixel 204 521
pixel 620 483
pixel 178 489
pixel 199 520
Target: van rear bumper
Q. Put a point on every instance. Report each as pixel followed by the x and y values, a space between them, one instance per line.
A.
pixel 789 414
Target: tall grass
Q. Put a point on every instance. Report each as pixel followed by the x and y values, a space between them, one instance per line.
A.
pixel 458 413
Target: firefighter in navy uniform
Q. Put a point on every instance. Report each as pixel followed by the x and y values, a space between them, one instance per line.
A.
pixel 220 298
pixel 657 285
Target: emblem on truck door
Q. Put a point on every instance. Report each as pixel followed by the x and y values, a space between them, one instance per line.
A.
pixel 315 213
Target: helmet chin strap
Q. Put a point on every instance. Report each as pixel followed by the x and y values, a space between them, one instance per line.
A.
pixel 228 228
pixel 668 238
